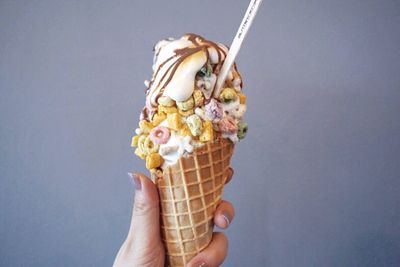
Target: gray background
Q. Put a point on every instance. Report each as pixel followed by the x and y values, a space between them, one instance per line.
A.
pixel 316 182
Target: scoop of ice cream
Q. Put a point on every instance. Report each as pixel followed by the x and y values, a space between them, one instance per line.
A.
pixel 177 62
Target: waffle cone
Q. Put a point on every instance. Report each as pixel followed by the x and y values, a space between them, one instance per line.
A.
pixel 190 191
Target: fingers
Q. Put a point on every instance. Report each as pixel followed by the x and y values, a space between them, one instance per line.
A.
pixel 224 214
pixel 214 254
pixel 225 211
pixel 143 243
pixel 229 175
pixel 145 225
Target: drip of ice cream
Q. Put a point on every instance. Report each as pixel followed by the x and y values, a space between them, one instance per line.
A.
pixel 175 148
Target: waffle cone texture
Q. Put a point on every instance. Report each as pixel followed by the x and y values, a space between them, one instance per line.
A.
pixel 190 191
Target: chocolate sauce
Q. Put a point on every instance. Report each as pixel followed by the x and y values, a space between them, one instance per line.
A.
pixel 200 44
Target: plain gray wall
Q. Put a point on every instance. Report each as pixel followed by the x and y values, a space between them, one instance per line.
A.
pixel 317 181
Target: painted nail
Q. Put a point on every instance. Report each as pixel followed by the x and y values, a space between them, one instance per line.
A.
pixel 136 180
pixel 229 175
pixel 226 217
pixel 232 171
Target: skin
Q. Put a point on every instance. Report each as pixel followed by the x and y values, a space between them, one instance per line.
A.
pixel 143 245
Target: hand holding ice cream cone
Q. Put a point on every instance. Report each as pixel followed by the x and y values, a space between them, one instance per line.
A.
pixel 143 245
pixel 187 135
pixel 192 118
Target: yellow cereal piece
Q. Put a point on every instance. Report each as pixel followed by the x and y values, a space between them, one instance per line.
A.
pixel 145 126
pixel 187 112
pixel 208 132
pixel 135 140
pixel 198 98
pixel 195 124
pixel 185 105
pixel 158 118
pixel 207 126
pixel 140 153
pixel 227 95
pixel 149 146
pixel 167 110
pixel 174 121
pixel 141 141
pixel 161 113
pixel 154 160
pixel 243 98
pixel 206 136
pixel 185 131
pixel 166 101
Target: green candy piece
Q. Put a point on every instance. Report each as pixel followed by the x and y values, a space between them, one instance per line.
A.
pixel 186 105
pixel 242 130
pixel 203 71
pixel 206 71
pixel 166 101
pixel 194 122
pixel 209 70
pixel 227 95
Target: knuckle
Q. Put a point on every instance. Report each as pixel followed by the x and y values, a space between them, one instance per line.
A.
pixel 222 238
pixel 141 208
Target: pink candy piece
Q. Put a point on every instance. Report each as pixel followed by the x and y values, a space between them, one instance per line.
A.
pixel 213 109
pixel 160 135
pixel 227 126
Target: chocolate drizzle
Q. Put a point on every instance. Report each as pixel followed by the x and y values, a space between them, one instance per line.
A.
pixel 183 53
pixel 158 84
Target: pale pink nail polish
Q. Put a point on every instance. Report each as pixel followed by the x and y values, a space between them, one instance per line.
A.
pixel 136 180
pixel 226 217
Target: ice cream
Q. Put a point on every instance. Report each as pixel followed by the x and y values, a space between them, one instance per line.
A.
pixel 180 101
pixel 186 135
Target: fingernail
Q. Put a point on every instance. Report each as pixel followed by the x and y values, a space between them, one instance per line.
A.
pixel 136 180
pixel 229 175
pixel 203 264
pixel 226 217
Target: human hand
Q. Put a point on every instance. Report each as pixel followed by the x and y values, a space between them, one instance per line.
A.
pixel 143 245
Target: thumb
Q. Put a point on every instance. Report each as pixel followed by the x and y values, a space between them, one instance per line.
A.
pixel 145 223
